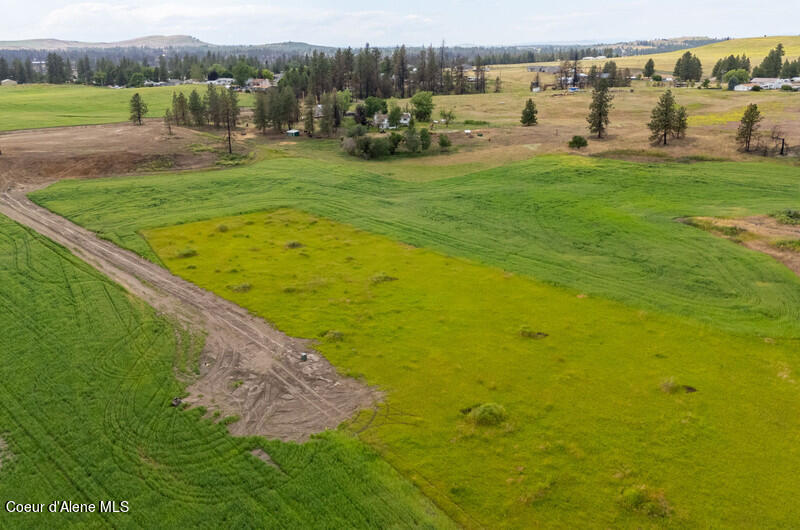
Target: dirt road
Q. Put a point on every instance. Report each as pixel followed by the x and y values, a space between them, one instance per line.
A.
pixel 248 368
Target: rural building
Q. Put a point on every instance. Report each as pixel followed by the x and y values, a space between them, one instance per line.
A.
pixel 745 87
pixel 8 82
pixel 405 118
pixel 381 120
pixel 259 85
pixel 544 69
pixel 222 81
pixel 770 83
pixel 293 132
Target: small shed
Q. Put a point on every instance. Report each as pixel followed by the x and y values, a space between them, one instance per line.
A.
pixel 293 132
pixel 8 82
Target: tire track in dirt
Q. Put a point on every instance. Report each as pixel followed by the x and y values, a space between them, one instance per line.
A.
pixel 248 368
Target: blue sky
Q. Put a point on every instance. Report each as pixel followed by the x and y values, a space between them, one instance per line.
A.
pixel 385 23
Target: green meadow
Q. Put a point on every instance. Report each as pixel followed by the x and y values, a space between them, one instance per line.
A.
pixel 37 106
pixel 613 416
pixel 602 227
pixel 88 373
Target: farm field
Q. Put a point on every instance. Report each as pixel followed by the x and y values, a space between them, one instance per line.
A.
pixel 36 106
pixel 88 375
pixel 591 437
pixel 756 48
pixel 603 227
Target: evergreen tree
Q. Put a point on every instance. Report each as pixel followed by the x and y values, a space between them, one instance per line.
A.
pixel 327 123
pixel 212 105
pixel 772 63
pixel 599 110
pixel 168 120
pixel 138 109
pixel 197 109
pixel 309 107
pixel 667 119
pixel 748 128
pixel 229 107
pixel 261 113
pixel 649 68
pixel 529 114
pixel 688 68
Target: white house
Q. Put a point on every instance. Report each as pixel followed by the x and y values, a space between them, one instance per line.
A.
pixel 382 121
pixel 405 118
pixel 744 87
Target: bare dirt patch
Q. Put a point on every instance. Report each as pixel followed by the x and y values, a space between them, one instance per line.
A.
pixel 248 369
pixel 762 232
pixel 44 155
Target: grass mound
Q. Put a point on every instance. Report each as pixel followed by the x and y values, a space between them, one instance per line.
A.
pixel 645 500
pixel 488 414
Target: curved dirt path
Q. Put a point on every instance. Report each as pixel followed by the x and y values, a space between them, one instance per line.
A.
pixel 248 368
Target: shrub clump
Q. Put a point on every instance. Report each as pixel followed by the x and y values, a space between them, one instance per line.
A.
pixel 222 228
pixel 333 336
pixel 789 244
pixel 382 278
pixel 644 500
pixel 788 217
pixel 669 386
pixel 577 142
pixel 187 253
pixel 488 414
pixel 240 288
pixel 294 244
pixel 444 142
pixel 528 333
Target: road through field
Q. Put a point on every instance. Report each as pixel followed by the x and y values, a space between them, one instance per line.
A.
pixel 248 368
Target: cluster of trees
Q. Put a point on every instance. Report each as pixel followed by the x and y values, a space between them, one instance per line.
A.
pixel 18 70
pixel 732 62
pixel 277 109
pixel 357 143
pixel 688 68
pixel 773 65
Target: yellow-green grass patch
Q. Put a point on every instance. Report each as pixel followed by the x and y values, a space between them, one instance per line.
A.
pixel 584 434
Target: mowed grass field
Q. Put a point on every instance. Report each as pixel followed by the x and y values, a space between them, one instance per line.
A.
pixel 602 227
pixel 591 438
pixel 88 374
pixel 36 106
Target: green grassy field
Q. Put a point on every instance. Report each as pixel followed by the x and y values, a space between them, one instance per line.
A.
pixel 36 106
pixel 88 374
pixel 603 227
pixel 591 438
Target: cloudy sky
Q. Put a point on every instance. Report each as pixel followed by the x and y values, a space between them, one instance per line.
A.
pixel 384 23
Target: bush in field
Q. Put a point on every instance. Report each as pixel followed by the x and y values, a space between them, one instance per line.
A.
pixel 577 142
pixel 395 139
pixel 424 139
pixel 380 148
pixel 488 414
pixel 444 142
pixel 355 131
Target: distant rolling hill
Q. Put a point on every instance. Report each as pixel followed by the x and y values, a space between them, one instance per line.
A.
pixel 157 42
